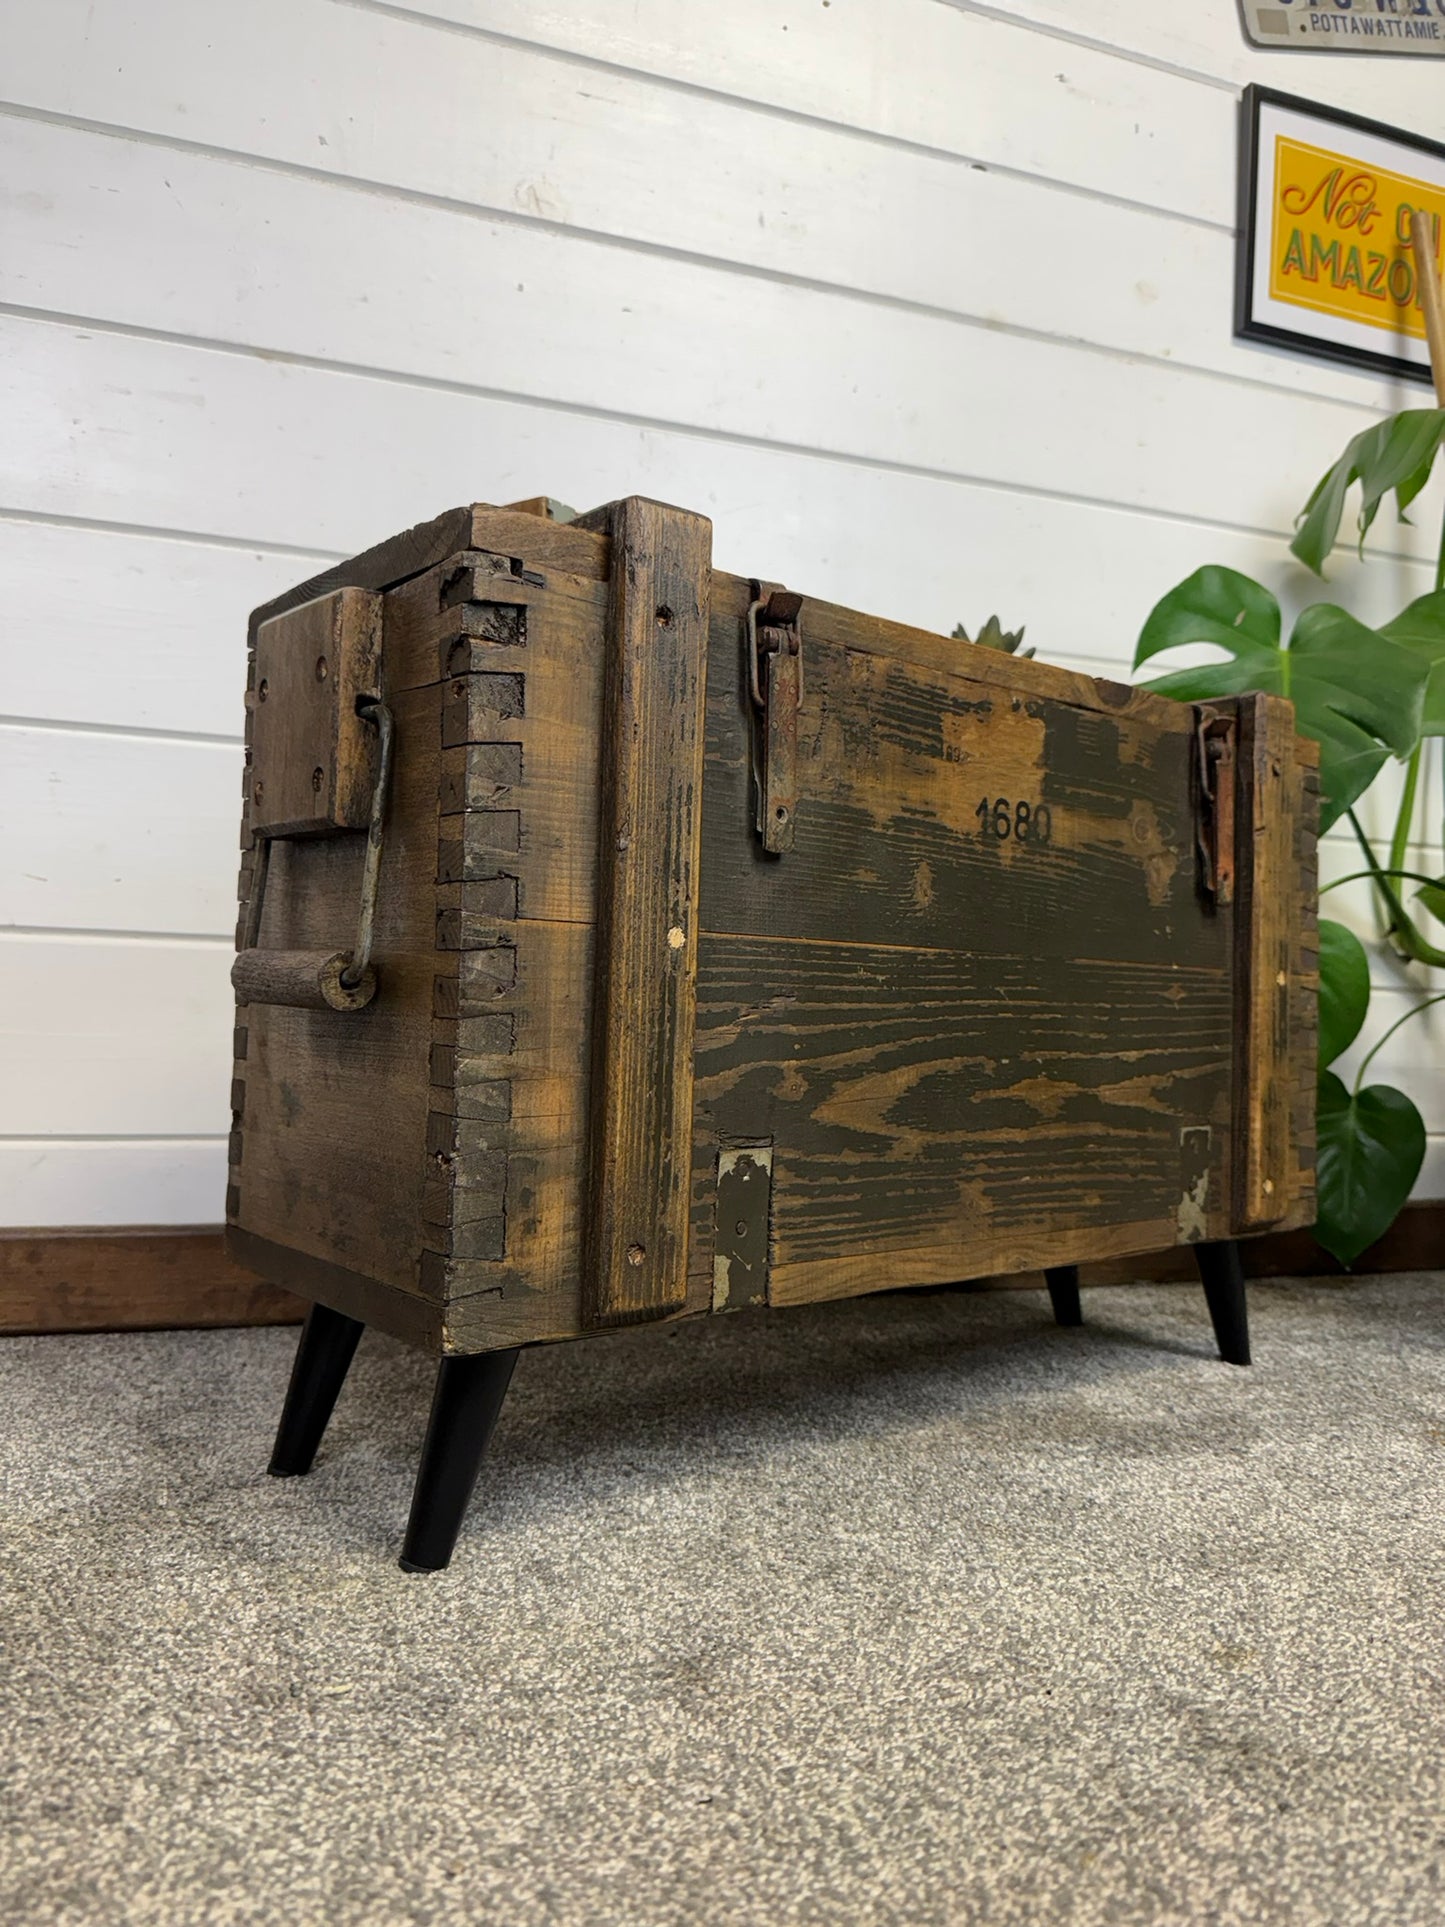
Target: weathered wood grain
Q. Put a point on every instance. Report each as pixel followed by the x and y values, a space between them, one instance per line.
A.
pixel 1023 676
pixel 313 763
pixel 305 979
pixel 894 760
pixel 333 1108
pixel 499 531
pixel 972 1049
pixel 650 804
pixel 859 1273
pixel 1268 913
pixel 431 1183
pixel 952 1103
pixel 401 1313
pixel 380 567
pixel 574 548
pixel 485 600
pixel 131 1278
pixel 1304 1010
pixel 512 1071
pixel 142 1279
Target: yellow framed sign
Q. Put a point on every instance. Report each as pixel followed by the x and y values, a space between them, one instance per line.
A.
pixel 1325 263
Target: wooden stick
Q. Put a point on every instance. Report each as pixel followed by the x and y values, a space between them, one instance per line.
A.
pixel 1432 297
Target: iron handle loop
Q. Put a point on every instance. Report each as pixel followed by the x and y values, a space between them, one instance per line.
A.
pixel 375 712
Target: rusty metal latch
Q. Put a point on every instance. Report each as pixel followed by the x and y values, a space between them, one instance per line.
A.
pixel 775 685
pixel 744 1199
pixel 1215 739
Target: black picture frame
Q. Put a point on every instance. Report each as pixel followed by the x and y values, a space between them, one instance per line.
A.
pixel 1246 326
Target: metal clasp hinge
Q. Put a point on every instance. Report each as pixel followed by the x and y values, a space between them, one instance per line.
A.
pixel 775 684
pixel 1215 737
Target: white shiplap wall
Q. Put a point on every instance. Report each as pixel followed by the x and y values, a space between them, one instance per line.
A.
pixel 925 303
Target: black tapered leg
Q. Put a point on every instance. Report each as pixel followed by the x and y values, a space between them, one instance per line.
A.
pixel 1063 1284
pixel 464 1409
pixel 1222 1276
pixel 328 1344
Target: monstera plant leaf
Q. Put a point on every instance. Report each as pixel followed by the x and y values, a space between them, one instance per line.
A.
pixel 1344 989
pixel 1421 627
pixel 1396 453
pixel 1358 691
pixel 1370 1148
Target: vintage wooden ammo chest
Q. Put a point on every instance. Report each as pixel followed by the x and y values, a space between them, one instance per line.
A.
pixel 623 940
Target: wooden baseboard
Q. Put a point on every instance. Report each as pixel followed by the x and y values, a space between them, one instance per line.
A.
pixel 162 1279
pixel 131 1280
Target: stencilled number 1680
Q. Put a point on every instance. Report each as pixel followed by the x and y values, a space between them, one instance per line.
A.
pixel 1000 819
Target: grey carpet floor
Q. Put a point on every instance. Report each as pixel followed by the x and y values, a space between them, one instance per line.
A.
pixel 907 1609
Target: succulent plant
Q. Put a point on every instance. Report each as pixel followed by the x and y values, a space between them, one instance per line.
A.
pixel 994 636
